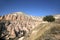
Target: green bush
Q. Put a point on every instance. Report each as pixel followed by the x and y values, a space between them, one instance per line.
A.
pixel 49 18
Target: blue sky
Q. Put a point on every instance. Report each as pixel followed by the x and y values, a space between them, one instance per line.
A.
pixel 31 7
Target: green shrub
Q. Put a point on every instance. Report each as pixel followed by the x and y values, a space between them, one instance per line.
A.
pixel 49 18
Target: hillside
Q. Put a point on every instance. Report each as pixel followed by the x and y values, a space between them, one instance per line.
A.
pixel 20 26
pixel 45 31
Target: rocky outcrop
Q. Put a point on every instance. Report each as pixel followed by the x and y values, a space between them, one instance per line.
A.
pixel 18 24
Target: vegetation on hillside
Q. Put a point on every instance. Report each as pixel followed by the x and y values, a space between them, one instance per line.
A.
pixel 49 18
pixel 51 34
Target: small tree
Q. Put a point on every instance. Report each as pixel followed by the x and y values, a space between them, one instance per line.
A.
pixel 49 18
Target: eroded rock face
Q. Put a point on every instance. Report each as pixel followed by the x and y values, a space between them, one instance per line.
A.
pixel 17 25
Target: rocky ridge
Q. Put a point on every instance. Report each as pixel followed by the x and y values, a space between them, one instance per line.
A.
pixel 18 24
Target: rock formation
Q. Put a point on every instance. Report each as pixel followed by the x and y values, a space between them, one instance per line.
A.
pixel 18 24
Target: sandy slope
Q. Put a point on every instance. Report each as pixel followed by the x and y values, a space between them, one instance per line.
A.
pixel 39 31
